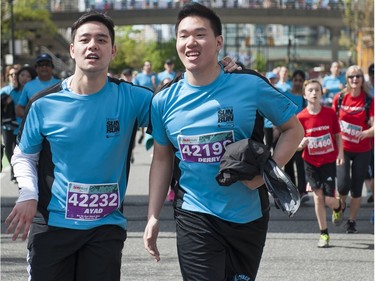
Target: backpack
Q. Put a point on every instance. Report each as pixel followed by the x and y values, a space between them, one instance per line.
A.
pixel 367 105
pixel 8 115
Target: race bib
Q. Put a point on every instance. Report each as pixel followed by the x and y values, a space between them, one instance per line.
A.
pixel 320 145
pixel 91 201
pixel 207 148
pixel 350 132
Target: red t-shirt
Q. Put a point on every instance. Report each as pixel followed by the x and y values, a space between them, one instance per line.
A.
pixel 320 129
pixel 353 120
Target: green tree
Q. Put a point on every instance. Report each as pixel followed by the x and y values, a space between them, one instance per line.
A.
pixel 359 18
pixel 132 51
pixel 30 16
pixel 260 62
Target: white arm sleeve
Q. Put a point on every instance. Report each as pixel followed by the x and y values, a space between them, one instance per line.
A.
pixel 24 166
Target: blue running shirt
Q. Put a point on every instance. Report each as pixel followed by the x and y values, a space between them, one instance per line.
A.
pixel 200 121
pixel 34 86
pixel 85 142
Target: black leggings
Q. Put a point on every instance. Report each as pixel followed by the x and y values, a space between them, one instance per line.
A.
pixel 9 143
pixel 352 174
pixel 301 178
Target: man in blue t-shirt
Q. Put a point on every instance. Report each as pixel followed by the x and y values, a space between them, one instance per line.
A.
pixel 332 84
pixel 45 79
pixel 192 121
pixel 284 83
pixel 168 72
pixel 146 78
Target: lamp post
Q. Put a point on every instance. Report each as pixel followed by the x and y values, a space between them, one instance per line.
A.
pixel 12 27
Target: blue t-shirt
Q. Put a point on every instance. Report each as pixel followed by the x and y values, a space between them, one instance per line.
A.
pixel 88 138
pixel 200 121
pixel 165 74
pixel 6 89
pixel 34 86
pixel 332 84
pixel 145 80
pixel 286 86
pixel 297 100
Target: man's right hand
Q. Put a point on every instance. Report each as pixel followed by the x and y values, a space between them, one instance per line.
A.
pixel 20 218
pixel 150 236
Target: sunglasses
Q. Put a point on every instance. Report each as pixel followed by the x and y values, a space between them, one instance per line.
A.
pixel 41 64
pixel 354 76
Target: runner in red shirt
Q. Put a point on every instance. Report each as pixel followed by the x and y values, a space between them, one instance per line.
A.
pixel 355 108
pixel 322 150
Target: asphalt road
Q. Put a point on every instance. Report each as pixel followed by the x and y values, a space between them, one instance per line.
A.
pixel 290 252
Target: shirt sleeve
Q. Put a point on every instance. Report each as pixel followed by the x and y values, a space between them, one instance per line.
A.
pixel 269 97
pixel 157 127
pixel 25 171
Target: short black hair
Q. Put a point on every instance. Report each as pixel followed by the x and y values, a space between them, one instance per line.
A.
pixel 127 71
pixel 195 9
pixel 98 17
pixel 300 73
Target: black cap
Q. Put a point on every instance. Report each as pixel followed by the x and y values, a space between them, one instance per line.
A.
pixel 43 57
pixel 127 71
pixel 168 61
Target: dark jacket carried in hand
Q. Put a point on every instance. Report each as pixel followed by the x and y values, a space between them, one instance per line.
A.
pixel 245 159
pixel 242 160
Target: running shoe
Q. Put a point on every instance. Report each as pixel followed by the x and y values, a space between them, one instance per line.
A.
pixel 337 218
pixel 351 227
pixel 323 241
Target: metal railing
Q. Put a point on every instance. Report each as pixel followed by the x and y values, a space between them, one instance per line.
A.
pixel 56 6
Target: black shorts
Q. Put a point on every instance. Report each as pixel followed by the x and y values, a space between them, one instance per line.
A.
pixel 60 254
pixel 211 249
pixel 323 177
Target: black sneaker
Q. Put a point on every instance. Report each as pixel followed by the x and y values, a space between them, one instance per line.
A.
pixel 351 227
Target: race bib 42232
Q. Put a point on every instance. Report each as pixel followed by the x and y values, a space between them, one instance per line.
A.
pixel 91 201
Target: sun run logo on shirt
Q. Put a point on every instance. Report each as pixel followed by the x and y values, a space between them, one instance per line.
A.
pixel 225 117
pixel 113 128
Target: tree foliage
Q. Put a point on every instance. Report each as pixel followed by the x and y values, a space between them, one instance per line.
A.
pixel 359 17
pixel 26 11
pixel 132 52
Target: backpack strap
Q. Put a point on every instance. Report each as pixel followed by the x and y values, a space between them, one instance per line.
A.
pixel 339 102
pixel 367 107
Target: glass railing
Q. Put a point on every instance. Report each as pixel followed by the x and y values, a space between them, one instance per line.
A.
pixel 86 5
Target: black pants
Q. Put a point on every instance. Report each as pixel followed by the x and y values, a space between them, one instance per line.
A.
pixel 9 143
pixel 301 178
